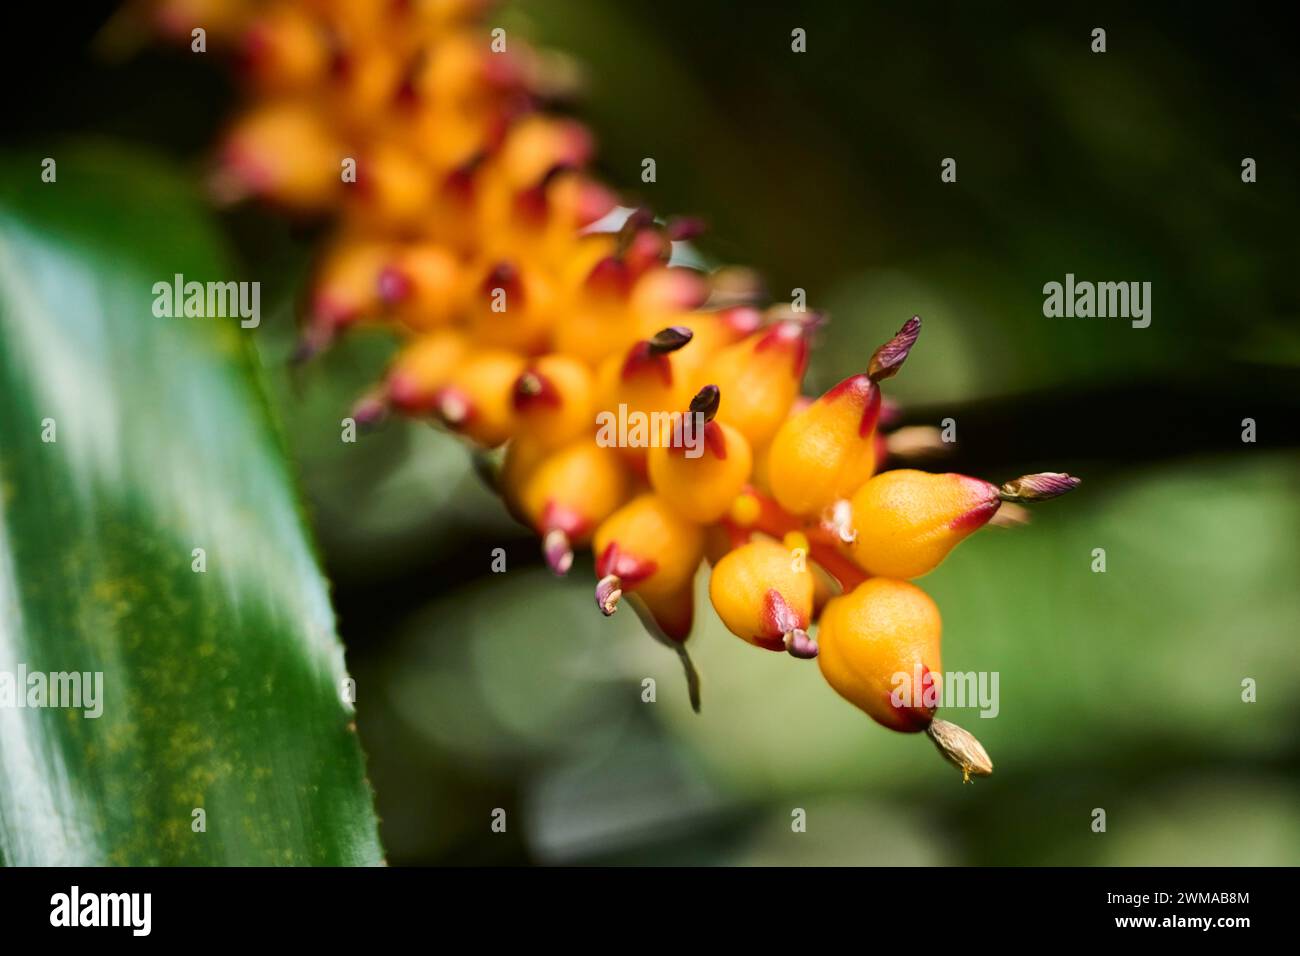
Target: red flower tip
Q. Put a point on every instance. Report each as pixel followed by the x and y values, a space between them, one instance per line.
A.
pixel 862 391
pixel 642 359
pixel 629 568
pixel 790 337
pixel 594 202
pixel 556 517
pixel 779 619
pixel 394 285
pixel 743 320
pixel 609 277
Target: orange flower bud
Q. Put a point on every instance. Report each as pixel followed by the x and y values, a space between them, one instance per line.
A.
pixel 598 322
pixel 649 553
pixel 568 494
pixel 422 286
pixel 363 77
pixel 646 547
pixel 907 521
pixel 345 290
pixel 646 380
pixel 716 330
pixel 880 652
pixel 700 465
pixel 393 188
pixel 284 49
pixel 512 308
pixel 553 400
pixel 477 401
pixel 821 455
pixel 764 594
pixel 825 452
pixel 282 152
pixel 422 368
pixel 712 332
pixel 760 377
pixel 538 143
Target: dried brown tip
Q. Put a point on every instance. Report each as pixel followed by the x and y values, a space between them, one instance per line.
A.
pixel 706 402
pixel 889 358
pixel 557 551
pixel 1040 487
pixel 799 644
pixel 960 748
pixel 608 591
pixel 669 339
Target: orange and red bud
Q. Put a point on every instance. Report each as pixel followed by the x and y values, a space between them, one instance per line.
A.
pixel 760 376
pixel 421 286
pixel 422 369
pixel 477 400
pixel 568 494
pixel 879 639
pixel 825 452
pixel 764 594
pixel 553 400
pixel 906 521
pixel 646 548
pixel 700 465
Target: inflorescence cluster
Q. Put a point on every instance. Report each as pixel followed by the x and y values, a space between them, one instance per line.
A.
pixel 647 410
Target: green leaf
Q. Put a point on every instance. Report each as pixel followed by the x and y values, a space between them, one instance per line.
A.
pixel 221 689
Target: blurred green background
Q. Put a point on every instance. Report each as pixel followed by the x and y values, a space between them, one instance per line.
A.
pixel 1119 690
